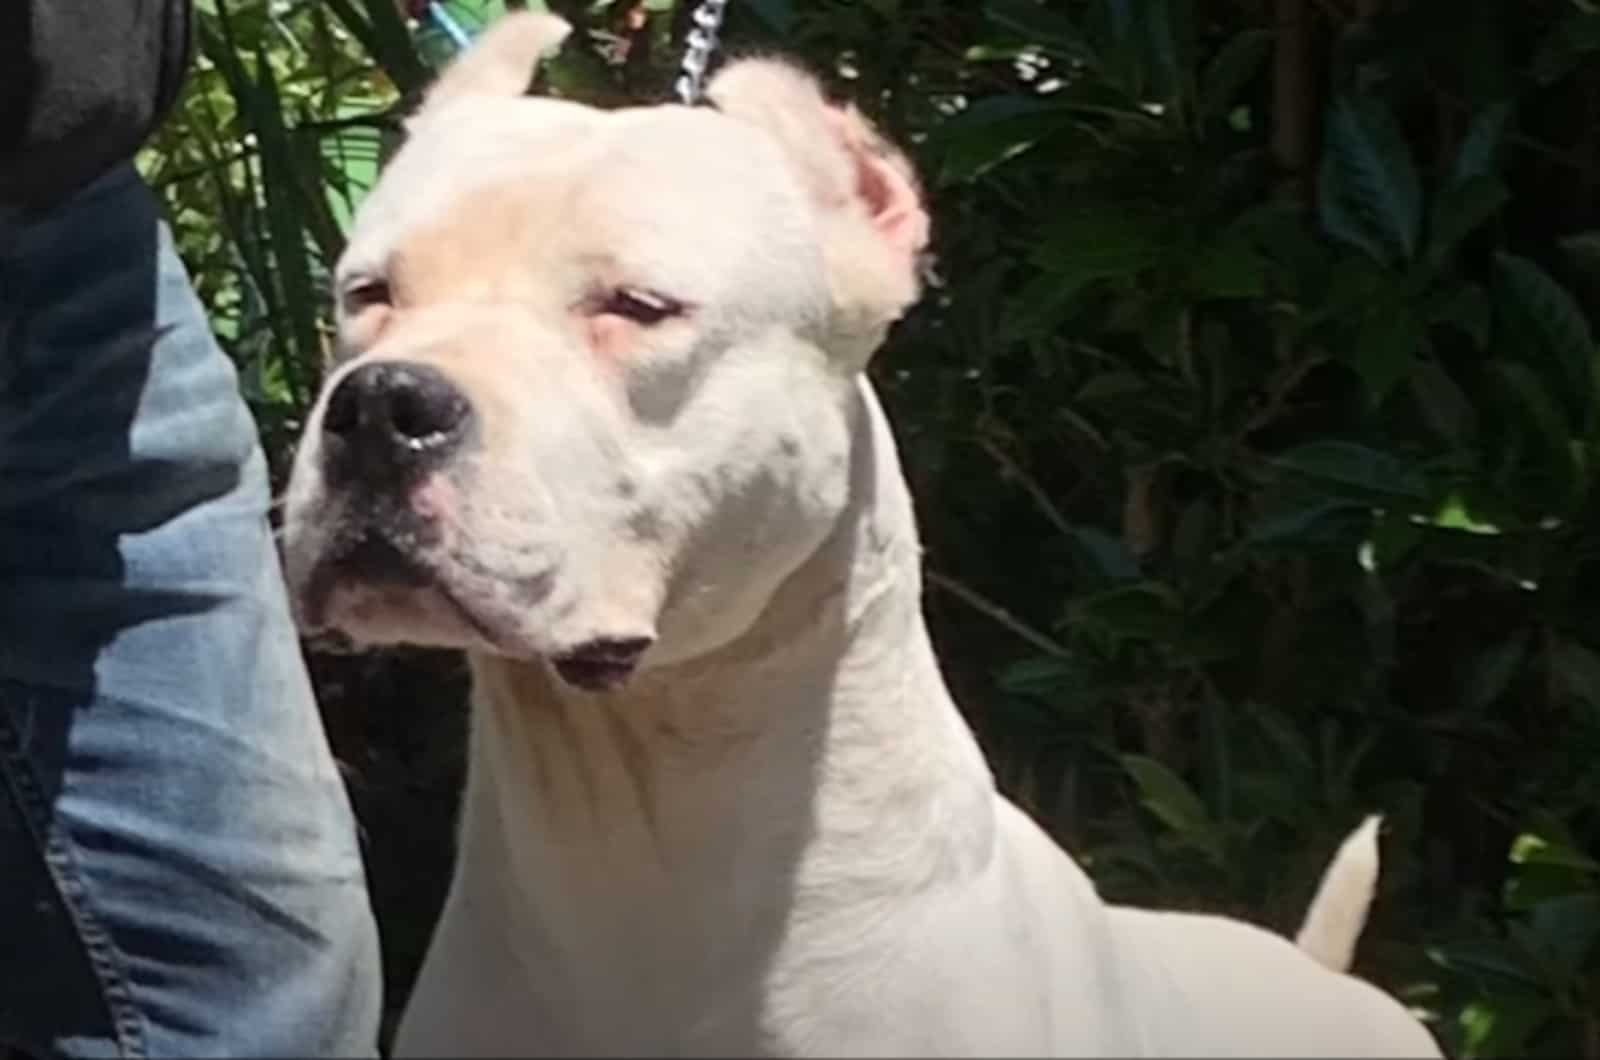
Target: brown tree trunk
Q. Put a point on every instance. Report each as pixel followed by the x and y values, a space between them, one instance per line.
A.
pixel 1294 98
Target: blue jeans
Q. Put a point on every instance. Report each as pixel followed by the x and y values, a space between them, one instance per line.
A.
pixel 179 869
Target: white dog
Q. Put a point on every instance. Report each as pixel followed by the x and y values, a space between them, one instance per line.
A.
pixel 604 425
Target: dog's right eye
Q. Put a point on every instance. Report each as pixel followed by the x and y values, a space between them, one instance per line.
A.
pixel 640 306
pixel 364 293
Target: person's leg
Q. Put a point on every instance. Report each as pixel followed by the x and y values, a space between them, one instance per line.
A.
pixel 179 870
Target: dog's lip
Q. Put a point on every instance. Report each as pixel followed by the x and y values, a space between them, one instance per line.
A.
pixel 471 617
pixel 603 664
pixel 371 559
pixel 477 597
pixel 375 560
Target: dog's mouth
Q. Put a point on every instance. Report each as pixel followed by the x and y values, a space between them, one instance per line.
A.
pixel 374 589
pixel 371 579
pixel 601 665
pixel 375 558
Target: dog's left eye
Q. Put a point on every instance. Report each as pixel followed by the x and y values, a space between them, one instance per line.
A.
pixel 368 291
pixel 641 306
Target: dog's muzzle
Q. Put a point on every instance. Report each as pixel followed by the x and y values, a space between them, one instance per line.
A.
pixel 387 426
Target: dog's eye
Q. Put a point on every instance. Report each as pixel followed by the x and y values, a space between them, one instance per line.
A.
pixel 640 306
pixel 362 293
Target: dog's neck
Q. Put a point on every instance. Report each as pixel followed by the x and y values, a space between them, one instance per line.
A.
pixel 813 770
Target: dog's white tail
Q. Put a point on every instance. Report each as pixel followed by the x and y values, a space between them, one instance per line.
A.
pixel 1339 910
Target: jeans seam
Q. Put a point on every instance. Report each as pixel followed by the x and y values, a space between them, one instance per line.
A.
pixel 115 993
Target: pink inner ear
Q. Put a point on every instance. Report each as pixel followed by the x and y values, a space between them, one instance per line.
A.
pixel 892 203
pixel 891 198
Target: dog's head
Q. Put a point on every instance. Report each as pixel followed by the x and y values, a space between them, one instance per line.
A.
pixel 599 366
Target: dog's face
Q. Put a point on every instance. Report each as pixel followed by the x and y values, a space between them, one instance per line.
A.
pixel 598 366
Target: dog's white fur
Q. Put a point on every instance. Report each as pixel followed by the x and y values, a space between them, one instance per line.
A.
pixel 779 837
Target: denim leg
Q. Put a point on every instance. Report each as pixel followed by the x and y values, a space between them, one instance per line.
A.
pixel 179 869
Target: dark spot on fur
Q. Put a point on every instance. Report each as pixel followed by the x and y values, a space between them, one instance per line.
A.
pixel 645 525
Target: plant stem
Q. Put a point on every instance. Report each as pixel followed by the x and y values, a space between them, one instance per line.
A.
pixel 988 608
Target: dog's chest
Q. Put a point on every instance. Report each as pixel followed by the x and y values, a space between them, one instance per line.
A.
pixel 717 967
pixel 674 989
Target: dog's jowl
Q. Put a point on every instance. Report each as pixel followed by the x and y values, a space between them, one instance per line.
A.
pixel 603 424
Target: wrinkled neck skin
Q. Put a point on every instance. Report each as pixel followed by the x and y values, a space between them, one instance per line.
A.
pixel 724 838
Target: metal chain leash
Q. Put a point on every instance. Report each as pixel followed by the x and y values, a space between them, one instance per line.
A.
pixel 706 24
pixel 702 44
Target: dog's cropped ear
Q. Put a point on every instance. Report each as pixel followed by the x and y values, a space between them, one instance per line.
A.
pixel 501 62
pixel 876 225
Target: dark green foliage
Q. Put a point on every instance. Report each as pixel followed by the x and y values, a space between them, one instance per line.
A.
pixel 1253 415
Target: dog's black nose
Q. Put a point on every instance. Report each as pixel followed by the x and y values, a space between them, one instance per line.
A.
pixel 396 415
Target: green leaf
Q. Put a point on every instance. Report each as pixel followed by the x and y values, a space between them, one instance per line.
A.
pixel 1231 69
pixel 1299 255
pixel 1144 610
pixel 1110 559
pixel 1111 386
pixel 1492 672
pixel 1444 406
pixel 1195 537
pixel 1453 515
pixel 1307 522
pixel 1288 744
pixel 1563 931
pixel 1584 250
pixel 1533 885
pixel 1393 538
pixel 1039 309
pixel 1353 470
pixel 1370 196
pixel 1462 306
pixel 1107 242
pixel 283 276
pixel 1460 210
pixel 1576 671
pixel 287 223
pixel 1501 1025
pixel 1038 676
pixel 1475 158
pixel 991 132
pixel 1551 315
pixel 1538 410
pixel 1487 958
pixel 1568 45
pixel 777 14
pixel 1385 349
pixel 1531 848
pixel 1040 25
pixel 1547 868
pixel 381 31
pixel 1174 802
pixel 1168 29
pixel 1228 267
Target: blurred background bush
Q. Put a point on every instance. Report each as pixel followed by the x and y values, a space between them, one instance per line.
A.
pixel 1253 413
